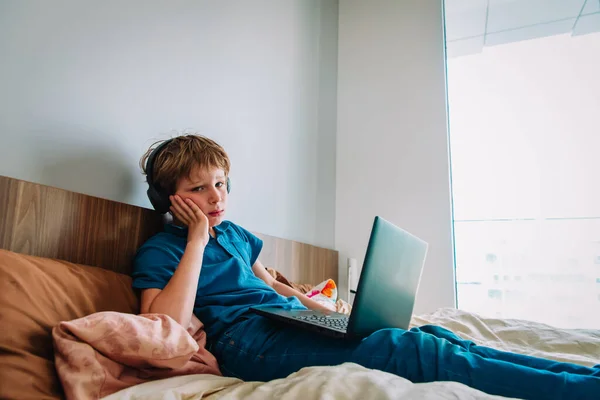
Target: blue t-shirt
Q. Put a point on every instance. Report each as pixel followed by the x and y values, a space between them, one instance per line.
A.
pixel 227 287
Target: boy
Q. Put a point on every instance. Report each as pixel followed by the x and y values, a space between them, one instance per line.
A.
pixel 209 266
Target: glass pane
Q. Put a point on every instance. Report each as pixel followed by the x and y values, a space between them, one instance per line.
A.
pixel 524 111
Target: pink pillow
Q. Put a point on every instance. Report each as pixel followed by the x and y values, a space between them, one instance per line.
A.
pixel 108 351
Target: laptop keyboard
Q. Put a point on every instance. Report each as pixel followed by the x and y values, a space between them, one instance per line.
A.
pixel 340 323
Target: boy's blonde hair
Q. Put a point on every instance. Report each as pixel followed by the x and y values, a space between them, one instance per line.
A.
pixel 183 153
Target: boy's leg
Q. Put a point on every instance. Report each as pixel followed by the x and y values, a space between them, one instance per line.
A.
pixel 257 349
pixel 527 361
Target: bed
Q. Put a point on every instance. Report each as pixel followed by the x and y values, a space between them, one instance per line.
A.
pixel 66 256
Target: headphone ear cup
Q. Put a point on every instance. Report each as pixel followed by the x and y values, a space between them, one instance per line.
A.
pixel 160 203
pixel 157 197
pixel 228 185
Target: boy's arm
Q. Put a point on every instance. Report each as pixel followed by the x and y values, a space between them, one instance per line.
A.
pixel 284 290
pixel 177 298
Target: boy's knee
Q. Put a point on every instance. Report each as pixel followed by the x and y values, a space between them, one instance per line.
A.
pixel 393 340
pixel 401 352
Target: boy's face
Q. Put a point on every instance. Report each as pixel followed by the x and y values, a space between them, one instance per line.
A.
pixel 208 189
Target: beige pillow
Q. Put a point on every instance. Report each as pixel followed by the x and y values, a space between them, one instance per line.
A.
pixel 35 295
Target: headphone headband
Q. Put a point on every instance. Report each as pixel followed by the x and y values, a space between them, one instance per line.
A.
pixel 151 158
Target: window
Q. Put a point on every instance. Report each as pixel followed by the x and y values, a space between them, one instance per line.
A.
pixel 524 112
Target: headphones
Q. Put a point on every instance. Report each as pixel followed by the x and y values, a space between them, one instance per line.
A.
pixel 159 198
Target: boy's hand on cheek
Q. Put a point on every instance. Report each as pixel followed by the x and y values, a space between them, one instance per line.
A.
pixel 190 214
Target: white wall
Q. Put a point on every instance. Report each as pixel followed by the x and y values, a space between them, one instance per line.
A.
pixel 85 87
pixel 392 145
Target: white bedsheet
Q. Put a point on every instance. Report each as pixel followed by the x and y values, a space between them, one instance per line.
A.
pixel 351 381
pixel 346 381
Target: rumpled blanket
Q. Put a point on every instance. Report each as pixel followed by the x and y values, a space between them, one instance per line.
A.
pixel 105 352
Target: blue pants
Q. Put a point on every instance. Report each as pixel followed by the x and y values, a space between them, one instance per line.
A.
pixel 257 349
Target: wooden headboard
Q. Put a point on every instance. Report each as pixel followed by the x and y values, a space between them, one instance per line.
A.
pixel 55 223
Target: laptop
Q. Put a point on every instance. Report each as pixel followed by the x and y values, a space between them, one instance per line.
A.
pixel 386 291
